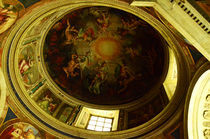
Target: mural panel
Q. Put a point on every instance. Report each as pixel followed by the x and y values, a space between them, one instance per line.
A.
pixel 48 102
pixel 27 66
pixel 65 113
pixel 104 55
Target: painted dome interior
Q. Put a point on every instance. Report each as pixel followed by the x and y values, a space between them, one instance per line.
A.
pixel 104 56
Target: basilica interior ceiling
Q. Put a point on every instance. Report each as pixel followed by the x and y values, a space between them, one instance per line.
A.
pixel 92 69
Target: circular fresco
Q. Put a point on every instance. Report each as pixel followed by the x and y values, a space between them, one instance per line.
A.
pixel 103 55
pixel 20 130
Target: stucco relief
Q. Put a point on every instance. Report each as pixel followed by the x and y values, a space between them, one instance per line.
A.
pixel 206 133
pixel 199 106
pixel 206 116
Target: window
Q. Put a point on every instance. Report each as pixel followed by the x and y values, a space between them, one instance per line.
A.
pixel 99 123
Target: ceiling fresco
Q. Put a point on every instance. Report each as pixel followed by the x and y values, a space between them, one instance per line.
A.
pixel 104 55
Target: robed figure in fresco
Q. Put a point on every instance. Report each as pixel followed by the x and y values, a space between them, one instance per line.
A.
pixel 47 103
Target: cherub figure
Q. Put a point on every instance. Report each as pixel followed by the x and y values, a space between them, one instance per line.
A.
pixel 86 34
pixel 89 34
pixel 130 25
pixel 103 21
pixel 69 33
pixel 72 66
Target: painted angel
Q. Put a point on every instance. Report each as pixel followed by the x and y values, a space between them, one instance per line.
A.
pixel 69 33
pixel 70 70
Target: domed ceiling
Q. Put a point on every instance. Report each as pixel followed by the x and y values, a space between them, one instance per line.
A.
pixel 67 62
pixel 103 55
pixel 72 60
